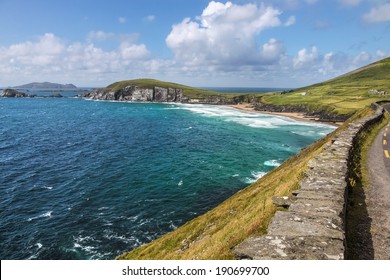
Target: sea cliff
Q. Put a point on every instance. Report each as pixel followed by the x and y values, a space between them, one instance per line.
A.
pixel 134 93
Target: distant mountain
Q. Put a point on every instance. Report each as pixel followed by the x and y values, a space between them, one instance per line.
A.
pixel 46 85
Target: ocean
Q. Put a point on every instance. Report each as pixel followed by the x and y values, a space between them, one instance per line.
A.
pixel 86 179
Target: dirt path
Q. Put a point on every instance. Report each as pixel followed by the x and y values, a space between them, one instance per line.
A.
pixel 378 194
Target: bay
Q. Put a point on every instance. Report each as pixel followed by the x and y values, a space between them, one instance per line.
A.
pixel 89 180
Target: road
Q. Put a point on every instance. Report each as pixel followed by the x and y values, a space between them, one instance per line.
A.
pixel 378 193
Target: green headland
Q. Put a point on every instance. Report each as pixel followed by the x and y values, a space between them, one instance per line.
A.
pixel 341 96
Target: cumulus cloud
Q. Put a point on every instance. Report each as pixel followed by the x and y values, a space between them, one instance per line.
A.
pixel 41 53
pixel 224 34
pixel 290 21
pixel 309 65
pixel 130 51
pixel 49 56
pixel 272 50
pixel 100 36
pixel 305 58
pixel 378 14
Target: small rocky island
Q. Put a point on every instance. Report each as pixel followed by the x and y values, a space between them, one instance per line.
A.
pixel 46 85
pixel 15 93
pixel 23 90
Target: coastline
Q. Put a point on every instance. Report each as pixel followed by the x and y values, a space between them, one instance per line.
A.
pixel 297 116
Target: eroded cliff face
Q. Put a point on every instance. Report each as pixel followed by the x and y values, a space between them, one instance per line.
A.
pixel 137 94
pixel 133 93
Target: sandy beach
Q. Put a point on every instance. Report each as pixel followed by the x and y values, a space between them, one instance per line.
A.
pixel 298 116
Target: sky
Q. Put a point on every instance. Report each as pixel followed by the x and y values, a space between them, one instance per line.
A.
pixel 238 43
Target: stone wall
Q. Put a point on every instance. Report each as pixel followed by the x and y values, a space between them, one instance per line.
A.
pixel 313 225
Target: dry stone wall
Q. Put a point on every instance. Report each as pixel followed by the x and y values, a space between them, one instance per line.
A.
pixel 312 227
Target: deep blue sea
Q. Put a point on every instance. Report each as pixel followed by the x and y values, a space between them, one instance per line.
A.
pixel 83 179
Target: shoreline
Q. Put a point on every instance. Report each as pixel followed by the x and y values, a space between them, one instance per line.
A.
pixel 248 107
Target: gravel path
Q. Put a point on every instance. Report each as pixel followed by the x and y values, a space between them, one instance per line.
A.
pixel 378 193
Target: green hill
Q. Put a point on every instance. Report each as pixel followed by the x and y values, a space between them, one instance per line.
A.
pixel 188 91
pixel 345 94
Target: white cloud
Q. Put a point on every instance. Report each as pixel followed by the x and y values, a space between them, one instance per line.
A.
pixel 380 53
pixel 100 36
pixel 41 53
pixel 272 50
pixel 225 34
pixel 150 18
pixel 49 58
pixel 327 64
pixel 305 58
pixel 290 21
pixel 378 14
pixel 362 58
pixel 131 51
pixel 309 67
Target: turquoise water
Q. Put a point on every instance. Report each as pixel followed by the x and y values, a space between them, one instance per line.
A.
pixel 89 180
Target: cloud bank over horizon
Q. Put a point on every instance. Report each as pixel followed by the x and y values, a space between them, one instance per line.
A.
pixel 225 44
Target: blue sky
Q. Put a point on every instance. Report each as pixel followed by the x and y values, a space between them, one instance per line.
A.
pixel 280 43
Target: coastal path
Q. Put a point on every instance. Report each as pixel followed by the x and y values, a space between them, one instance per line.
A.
pixel 378 192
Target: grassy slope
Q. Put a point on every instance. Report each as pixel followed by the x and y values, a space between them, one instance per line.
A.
pixel 248 212
pixel 350 90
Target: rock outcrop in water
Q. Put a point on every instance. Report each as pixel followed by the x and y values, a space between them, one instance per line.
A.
pixel 14 93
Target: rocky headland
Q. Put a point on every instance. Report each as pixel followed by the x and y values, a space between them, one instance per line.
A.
pixel 12 93
pixel 134 93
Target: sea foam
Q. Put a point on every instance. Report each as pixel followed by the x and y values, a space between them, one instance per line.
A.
pixel 44 215
pixel 251 119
